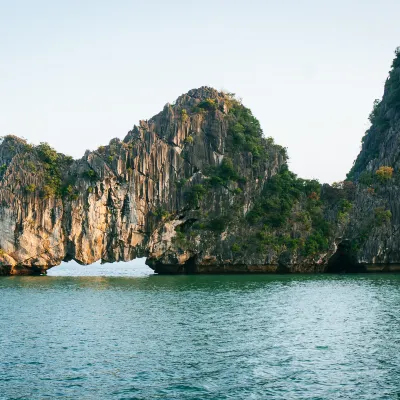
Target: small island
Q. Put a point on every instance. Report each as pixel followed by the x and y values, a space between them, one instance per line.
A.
pixel 199 189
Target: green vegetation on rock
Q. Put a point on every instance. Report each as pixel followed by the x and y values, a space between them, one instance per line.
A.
pixel 184 115
pixel 380 119
pixel 53 164
pixel 91 175
pixel 382 215
pixel 384 173
pixel 208 104
pixel 195 194
pixel 30 188
pixel 274 212
pixel 245 133
pixel 222 174
pixel 161 213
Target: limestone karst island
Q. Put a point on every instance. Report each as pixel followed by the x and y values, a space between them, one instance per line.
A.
pixel 199 200
pixel 199 189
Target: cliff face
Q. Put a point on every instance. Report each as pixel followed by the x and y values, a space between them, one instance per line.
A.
pixel 198 189
pixel 194 189
pixel 374 220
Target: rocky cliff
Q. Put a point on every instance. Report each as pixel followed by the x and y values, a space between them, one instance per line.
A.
pixel 374 218
pixel 199 189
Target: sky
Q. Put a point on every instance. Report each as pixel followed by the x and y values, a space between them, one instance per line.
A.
pixel 79 73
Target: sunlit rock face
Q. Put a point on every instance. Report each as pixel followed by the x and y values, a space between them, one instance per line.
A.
pixel 195 189
pixel 147 195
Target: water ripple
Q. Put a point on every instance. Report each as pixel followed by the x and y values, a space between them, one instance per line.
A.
pixel 200 337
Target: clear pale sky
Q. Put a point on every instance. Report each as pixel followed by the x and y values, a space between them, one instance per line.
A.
pixel 78 73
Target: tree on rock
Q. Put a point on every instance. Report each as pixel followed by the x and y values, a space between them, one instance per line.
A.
pixel 384 173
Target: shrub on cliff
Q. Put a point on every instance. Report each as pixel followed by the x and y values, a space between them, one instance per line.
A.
pixel 46 153
pixel 218 224
pixel 30 188
pixel 189 139
pixel 315 243
pixel 366 178
pixel 53 164
pixel 222 174
pixel 70 192
pixel 382 216
pixel 208 104
pixel 184 115
pixel 90 175
pixel 384 173
pixel 48 191
pixel 245 133
pixel 235 248
pixel 161 213
pixel 226 170
pixel 195 194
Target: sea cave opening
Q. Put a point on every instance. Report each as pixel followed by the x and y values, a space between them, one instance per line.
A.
pixel 344 260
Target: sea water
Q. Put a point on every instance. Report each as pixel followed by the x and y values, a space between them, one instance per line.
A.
pixel 199 337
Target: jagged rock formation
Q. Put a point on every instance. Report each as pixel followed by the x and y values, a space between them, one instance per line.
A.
pixel 198 189
pixel 179 190
pixel 374 220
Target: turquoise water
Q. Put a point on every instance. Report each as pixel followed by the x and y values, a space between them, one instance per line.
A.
pixel 200 337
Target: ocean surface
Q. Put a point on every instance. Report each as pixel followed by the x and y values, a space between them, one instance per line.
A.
pixel 141 336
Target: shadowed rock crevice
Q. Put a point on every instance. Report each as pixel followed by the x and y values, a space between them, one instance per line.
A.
pixel 344 260
pixel 166 269
pixel 187 268
pixel 190 266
